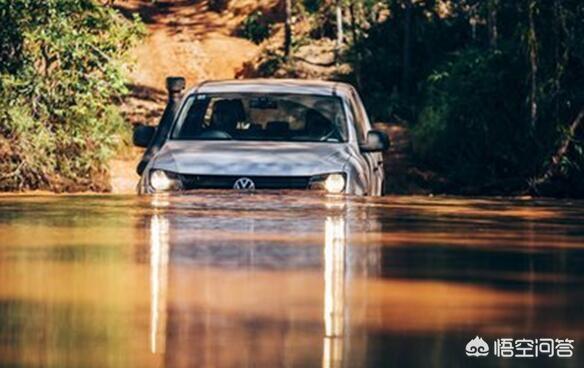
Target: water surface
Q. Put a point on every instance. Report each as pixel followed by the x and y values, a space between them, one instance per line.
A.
pixel 232 280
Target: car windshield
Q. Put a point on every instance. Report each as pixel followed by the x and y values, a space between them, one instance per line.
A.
pixel 261 117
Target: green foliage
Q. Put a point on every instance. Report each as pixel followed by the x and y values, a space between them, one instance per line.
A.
pixel 472 124
pixel 61 74
pixel 491 89
pixel 256 27
pixel 380 57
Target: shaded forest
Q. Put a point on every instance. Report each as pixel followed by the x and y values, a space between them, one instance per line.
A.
pixel 490 91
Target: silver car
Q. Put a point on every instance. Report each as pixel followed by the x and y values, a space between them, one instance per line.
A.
pixel 263 134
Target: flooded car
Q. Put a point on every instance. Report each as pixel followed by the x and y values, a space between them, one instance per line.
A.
pixel 265 134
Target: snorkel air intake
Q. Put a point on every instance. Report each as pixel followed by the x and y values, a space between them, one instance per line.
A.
pixel 175 87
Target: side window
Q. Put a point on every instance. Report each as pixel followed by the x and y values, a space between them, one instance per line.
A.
pixel 356 123
pixel 362 124
pixel 191 118
pixel 363 113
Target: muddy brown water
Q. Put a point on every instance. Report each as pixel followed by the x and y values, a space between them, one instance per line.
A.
pixel 250 280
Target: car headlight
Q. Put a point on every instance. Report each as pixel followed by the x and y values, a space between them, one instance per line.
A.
pixel 162 181
pixel 332 183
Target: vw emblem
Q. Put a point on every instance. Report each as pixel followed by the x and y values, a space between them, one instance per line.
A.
pixel 244 184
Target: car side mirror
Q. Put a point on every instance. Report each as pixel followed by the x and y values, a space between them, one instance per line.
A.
pixel 376 142
pixel 143 135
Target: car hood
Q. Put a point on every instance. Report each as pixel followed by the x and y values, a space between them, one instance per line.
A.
pixel 252 158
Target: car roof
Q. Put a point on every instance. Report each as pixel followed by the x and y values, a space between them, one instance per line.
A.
pixel 296 86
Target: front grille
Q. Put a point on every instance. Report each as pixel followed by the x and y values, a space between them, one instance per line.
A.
pixel 226 182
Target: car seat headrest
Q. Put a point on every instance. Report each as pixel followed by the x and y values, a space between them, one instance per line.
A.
pixel 227 113
pixel 317 123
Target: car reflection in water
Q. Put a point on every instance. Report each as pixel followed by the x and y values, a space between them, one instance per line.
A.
pixel 222 316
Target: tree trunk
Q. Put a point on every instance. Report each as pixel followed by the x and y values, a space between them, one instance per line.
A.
pixel 556 159
pixel 339 16
pixel 288 29
pixel 492 22
pixel 532 42
pixel 407 56
pixel 561 52
pixel 353 15
pixel 357 67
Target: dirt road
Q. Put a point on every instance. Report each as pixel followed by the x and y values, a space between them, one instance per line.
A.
pixel 186 38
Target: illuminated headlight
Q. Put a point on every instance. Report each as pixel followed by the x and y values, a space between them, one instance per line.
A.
pixel 332 183
pixel 161 181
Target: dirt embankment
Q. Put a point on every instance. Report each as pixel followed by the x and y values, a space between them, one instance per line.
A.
pixel 185 38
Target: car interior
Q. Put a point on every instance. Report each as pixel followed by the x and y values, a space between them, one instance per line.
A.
pixel 262 118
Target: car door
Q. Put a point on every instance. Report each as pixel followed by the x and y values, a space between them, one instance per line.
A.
pixel 374 159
